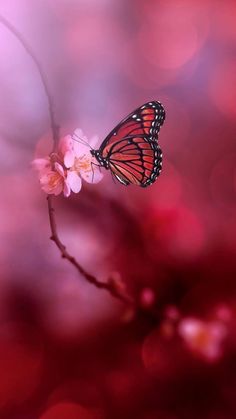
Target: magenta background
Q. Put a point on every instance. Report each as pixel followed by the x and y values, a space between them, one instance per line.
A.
pixel 68 350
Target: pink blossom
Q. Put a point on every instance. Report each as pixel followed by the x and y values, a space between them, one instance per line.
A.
pixel 64 170
pixel 203 338
pixel 52 176
pixel 79 160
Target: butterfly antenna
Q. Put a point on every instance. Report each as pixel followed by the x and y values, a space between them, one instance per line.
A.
pixel 80 140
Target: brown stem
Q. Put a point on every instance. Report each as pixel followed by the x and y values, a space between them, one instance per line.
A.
pixel 111 287
pixel 24 43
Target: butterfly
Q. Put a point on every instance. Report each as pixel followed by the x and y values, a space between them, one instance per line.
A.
pixel 131 151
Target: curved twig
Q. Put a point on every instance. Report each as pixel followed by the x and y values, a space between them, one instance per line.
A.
pixel 27 47
pixel 109 286
pixel 112 287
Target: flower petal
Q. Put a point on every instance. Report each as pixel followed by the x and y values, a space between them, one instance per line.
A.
pixel 74 181
pixel 41 164
pixel 65 144
pixel 92 176
pixel 69 158
pixel 52 183
pixel 59 169
pixel 58 189
pixel 79 133
pixel 66 189
pixel 94 141
pixel 80 149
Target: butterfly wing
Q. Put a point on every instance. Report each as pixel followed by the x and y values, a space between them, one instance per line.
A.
pixel 144 121
pixel 131 150
pixel 137 161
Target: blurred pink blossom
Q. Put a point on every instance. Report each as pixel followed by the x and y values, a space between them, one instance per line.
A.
pixel 147 297
pixel 64 170
pixel 172 313
pixel 224 313
pixel 203 338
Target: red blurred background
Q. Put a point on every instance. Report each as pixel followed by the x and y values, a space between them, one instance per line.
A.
pixel 67 349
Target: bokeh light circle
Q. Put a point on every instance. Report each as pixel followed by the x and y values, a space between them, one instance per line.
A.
pixel 69 410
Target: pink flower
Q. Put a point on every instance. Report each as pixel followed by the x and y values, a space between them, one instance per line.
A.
pixel 79 160
pixel 63 171
pixel 54 181
pixel 52 173
pixel 203 338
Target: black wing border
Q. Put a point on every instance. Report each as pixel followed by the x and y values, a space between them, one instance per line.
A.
pixel 155 104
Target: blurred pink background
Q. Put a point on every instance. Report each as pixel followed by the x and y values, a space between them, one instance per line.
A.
pixel 68 350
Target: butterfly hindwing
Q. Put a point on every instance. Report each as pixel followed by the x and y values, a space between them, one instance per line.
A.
pixel 138 162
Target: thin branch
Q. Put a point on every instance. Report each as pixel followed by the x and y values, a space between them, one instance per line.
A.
pixel 112 287
pixel 27 47
pixel 109 286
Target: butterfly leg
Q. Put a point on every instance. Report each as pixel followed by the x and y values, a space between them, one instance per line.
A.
pixel 97 165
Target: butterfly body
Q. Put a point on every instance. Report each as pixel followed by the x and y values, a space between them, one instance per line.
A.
pixel 101 160
pixel 131 151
